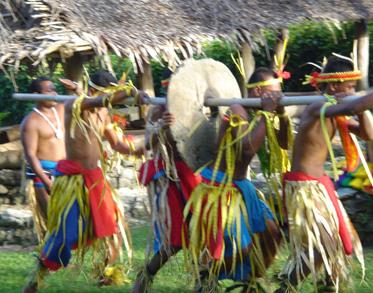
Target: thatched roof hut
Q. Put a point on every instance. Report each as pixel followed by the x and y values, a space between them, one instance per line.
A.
pixel 140 29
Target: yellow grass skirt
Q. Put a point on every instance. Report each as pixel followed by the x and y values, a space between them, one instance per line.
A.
pixel 314 229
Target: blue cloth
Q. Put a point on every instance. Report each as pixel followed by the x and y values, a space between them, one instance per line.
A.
pixel 58 246
pixel 157 243
pixel 258 212
pixel 57 249
pixel 48 167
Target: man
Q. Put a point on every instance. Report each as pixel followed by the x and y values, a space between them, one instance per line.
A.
pixel 261 82
pixel 42 135
pixel 83 211
pixel 170 182
pixel 320 232
pixel 272 154
pixel 230 227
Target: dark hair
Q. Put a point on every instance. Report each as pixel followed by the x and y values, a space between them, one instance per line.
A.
pixel 103 78
pixel 261 74
pixel 35 85
pixel 336 64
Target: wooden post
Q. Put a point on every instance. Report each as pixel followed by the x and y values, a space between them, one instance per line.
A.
pixel 146 83
pixel 282 35
pixel 362 39
pixel 248 64
pixel 73 68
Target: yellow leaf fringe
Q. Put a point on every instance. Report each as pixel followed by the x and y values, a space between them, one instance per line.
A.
pixel 206 200
pixel 40 223
pixel 313 226
pixel 65 191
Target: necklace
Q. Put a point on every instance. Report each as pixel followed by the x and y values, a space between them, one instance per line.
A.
pixel 58 131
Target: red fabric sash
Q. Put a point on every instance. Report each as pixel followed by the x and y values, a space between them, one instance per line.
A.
pixel 177 195
pixel 328 184
pixel 103 207
pixel 349 147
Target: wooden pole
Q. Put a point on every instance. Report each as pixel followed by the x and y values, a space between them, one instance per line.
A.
pixel 362 39
pixel 73 68
pixel 146 84
pixel 209 102
pixel 248 66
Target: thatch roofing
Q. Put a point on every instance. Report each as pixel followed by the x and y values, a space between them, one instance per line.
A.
pixel 141 29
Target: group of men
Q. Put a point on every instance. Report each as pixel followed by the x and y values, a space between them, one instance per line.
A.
pixel 225 228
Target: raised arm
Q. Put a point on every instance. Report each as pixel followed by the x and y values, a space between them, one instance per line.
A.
pixel 253 141
pixel 363 128
pixel 102 100
pixel 282 133
pixel 119 145
pixel 351 108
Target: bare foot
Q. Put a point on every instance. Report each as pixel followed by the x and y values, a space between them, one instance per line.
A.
pixel 105 282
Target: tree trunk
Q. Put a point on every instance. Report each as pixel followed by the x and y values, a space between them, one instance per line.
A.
pixel 146 84
pixel 282 35
pixel 73 68
pixel 362 38
pixel 248 64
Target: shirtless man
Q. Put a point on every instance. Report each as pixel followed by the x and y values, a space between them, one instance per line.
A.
pixel 309 193
pixel 42 135
pixel 82 208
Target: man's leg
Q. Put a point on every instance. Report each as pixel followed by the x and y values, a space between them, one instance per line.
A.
pixel 270 241
pixel 151 269
pixel 42 198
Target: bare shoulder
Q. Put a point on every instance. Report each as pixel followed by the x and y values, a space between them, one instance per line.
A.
pixel 312 110
pixel 31 121
pixel 60 107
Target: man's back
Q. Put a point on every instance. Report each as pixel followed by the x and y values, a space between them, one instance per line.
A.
pixel 85 151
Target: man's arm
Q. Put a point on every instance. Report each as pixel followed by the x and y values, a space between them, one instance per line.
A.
pixel 29 138
pixel 118 145
pixel 252 141
pixel 103 100
pixel 350 109
pixel 364 127
pixel 256 137
pixel 151 139
pixel 282 133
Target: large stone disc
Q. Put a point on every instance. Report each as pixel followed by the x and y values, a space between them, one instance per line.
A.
pixel 196 127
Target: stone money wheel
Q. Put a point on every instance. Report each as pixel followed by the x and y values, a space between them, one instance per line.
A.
pixel 196 127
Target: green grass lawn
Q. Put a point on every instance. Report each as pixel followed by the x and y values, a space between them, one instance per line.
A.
pixel 15 267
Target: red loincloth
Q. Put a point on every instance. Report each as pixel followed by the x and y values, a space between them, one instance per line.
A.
pixel 103 208
pixel 177 194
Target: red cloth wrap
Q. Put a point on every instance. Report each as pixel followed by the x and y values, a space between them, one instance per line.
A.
pixel 329 186
pixel 103 208
pixel 177 196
